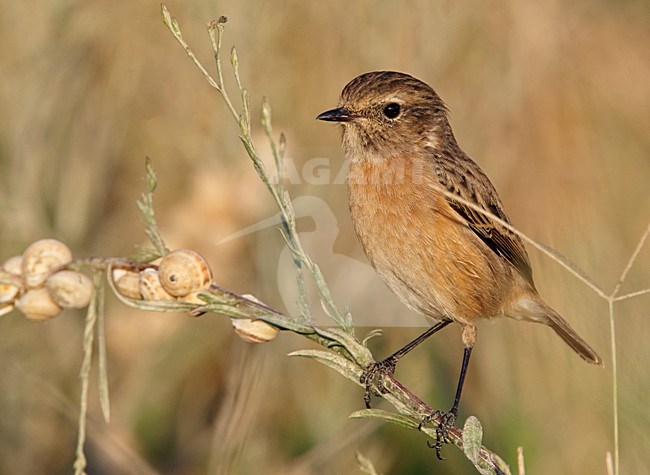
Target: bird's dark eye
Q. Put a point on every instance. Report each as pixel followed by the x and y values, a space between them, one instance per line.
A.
pixel 392 110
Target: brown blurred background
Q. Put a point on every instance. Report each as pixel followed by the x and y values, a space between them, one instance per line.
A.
pixel 552 100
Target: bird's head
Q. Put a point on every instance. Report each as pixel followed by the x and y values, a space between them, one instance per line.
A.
pixel 384 113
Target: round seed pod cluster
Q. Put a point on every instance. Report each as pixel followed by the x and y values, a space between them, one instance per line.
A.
pixel 181 275
pixel 38 288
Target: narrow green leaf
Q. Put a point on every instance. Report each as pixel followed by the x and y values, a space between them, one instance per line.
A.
pixel 333 360
pixel 341 337
pixel 397 419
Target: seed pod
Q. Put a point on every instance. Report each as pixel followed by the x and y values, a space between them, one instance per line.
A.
pixel 127 283
pixel 14 265
pixel 254 331
pixel 8 293
pixel 184 271
pixel 41 258
pixel 150 287
pixel 70 289
pixel 37 304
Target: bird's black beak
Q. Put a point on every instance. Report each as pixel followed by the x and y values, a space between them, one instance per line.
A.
pixel 340 114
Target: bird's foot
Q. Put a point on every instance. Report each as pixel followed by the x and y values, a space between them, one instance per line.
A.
pixel 447 420
pixel 374 374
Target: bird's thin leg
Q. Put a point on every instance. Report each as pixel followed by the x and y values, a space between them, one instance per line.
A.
pixel 461 380
pixel 448 419
pixel 376 370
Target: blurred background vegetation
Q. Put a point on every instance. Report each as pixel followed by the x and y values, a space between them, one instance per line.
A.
pixel 551 98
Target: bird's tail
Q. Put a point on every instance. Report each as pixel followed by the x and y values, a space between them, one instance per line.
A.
pixel 538 311
pixel 571 338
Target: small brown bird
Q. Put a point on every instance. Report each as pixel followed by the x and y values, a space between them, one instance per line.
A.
pixel 442 258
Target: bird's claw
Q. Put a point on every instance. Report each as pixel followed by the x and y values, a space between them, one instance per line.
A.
pixel 373 375
pixel 447 420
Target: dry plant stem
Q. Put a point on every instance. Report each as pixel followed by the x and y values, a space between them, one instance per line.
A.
pixel 557 257
pixel 102 359
pixel 287 226
pixel 89 331
pixel 281 197
pixel 629 266
pixel 612 330
pixel 276 188
pixel 614 362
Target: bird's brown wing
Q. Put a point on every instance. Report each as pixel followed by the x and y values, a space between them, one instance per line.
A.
pixel 464 178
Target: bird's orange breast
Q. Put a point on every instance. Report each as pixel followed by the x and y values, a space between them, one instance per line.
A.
pixel 419 245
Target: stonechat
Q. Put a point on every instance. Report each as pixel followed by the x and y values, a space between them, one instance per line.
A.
pixel 442 258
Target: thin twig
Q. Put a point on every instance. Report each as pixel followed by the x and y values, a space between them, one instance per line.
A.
pixel 89 331
pixel 280 195
pixel 172 24
pixel 614 362
pixel 631 295
pixel 629 265
pixel 612 329
pixel 554 255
